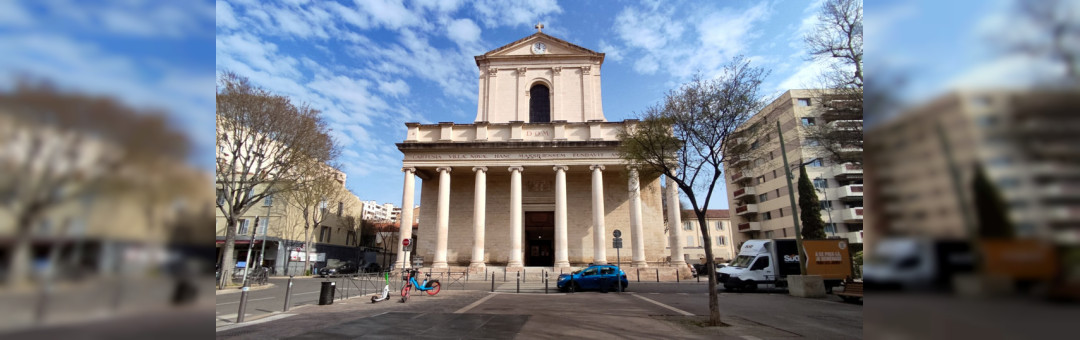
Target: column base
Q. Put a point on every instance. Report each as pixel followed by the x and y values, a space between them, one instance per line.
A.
pixel 477 267
pixel 640 264
pixel 439 265
pixel 679 264
pixel 564 264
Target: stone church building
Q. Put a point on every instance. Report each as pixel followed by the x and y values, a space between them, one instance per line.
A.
pixel 536 180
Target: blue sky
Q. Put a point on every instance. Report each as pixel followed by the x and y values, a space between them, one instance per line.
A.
pixel 371 66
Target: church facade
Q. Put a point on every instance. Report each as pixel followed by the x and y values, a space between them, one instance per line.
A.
pixel 536 179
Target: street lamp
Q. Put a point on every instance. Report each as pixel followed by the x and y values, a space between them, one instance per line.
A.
pixel 828 206
pixel 269 203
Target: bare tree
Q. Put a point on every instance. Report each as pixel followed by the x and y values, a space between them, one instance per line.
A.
pixel 57 148
pixel 837 39
pixel 1050 29
pixel 319 199
pixel 688 135
pixel 267 145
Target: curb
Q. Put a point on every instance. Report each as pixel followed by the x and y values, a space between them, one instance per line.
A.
pixel 236 290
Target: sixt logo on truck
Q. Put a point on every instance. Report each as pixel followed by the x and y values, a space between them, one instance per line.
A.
pixel 791 258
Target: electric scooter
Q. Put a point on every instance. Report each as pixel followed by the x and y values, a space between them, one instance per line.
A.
pixel 385 291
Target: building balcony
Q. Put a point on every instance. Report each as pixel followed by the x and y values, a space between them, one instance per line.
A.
pixel 746 209
pixel 745 192
pixel 851 192
pixel 852 215
pixel 746 227
pixel 847 172
pixel 739 176
pixel 852 237
pixel 740 161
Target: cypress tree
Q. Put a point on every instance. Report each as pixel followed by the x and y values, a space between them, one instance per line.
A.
pixel 991 213
pixel 813 228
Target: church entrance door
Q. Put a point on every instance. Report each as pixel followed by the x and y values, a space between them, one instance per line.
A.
pixel 539 238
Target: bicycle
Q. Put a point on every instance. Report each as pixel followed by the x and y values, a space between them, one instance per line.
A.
pixel 432 287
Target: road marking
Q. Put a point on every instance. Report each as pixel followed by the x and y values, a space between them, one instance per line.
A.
pixel 249 300
pixel 474 304
pixel 306 293
pixel 680 311
pixel 750 337
pixel 256 322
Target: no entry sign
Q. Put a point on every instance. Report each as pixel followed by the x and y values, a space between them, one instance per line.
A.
pixel 405 242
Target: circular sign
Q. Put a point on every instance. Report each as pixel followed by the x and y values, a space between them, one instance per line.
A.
pixel 405 242
pixel 617 233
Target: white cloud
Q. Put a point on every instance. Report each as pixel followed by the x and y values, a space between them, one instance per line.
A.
pixel 12 14
pixel 610 52
pixel 494 13
pixel 394 88
pixel 389 13
pixel 225 16
pixel 463 31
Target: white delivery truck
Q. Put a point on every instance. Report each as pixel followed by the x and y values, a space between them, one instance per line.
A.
pixel 763 264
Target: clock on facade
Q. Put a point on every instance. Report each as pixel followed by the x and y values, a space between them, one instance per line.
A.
pixel 539 48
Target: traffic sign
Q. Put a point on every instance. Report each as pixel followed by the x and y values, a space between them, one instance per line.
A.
pixel 405 242
pixel 618 243
pixel 617 233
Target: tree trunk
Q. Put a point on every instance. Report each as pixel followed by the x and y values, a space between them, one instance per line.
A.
pixel 228 259
pixel 710 267
pixel 20 255
pixel 307 250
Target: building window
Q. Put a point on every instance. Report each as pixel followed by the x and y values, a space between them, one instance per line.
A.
pixel 720 240
pixel 243 227
pixel 826 204
pixel 755 145
pixel 261 228
pixel 821 183
pixel 766 216
pixel 807 121
pixel 268 201
pixel 340 207
pixel 689 241
pixel 322 204
pixel 539 104
pixel 769 234
pixel 804 101
pixel 220 197
pixel 720 225
pixel 816 162
pixel 760 179
pixel 781 210
pixel 763 197
pixel 324 234
pixel 688 226
pixel 830 228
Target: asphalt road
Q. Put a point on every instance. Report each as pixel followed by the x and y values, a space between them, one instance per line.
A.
pixel 305 291
pixel 647 310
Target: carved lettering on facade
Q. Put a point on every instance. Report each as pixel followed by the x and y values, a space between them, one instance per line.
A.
pixel 541 133
pixel 511 156
pixel 539 186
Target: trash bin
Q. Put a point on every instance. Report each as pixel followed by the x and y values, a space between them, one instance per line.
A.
pixel 326 294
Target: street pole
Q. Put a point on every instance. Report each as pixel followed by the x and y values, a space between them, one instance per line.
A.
pixel 791 196
pixel 265 230
pixel 251 246
pixel 828 207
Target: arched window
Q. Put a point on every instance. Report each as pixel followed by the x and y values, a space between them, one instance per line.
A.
pixel 539 104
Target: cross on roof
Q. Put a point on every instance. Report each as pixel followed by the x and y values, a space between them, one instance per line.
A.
pixel 539 27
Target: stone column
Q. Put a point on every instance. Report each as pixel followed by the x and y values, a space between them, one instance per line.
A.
pixel 406 217
pixel 479 213
pixel 674 224
pixel 636 231
pixel 599 234
pixel 442 219
pixel 562 257
pixel 516 227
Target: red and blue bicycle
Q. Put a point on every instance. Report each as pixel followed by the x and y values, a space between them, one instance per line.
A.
pixel 432 287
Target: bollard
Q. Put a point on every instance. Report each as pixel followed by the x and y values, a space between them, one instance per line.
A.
pixel 639 275
pixel 485 274
pixel 545 285
pixel 677 275
pixel 698 278
pixel 243 303
pixel 522 274
pixel 504 274
pixel 492 282
pixel 288 294
pixel 657 274
pixel 519 282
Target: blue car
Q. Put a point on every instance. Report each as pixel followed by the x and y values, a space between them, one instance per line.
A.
pixel 598 277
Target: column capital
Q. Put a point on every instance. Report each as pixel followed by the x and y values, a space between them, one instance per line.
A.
pixel 596 166
pixel 517 168
pixel 479 168
pixel 443 168
pixel 560 167
pixel 633 167
pixel 408 169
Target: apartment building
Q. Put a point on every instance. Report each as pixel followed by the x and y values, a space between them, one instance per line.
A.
pixel 719 222
pixel 756 186
pixel 1025 141
pixel 373 211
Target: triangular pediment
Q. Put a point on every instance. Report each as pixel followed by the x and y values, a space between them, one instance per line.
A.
pixel 555 48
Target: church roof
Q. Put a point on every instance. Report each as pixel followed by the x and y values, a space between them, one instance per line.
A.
pixel 538 36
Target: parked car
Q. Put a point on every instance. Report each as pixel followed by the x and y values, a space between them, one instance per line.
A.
pixel 598 277
pixel 371 267
pixel 342 269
